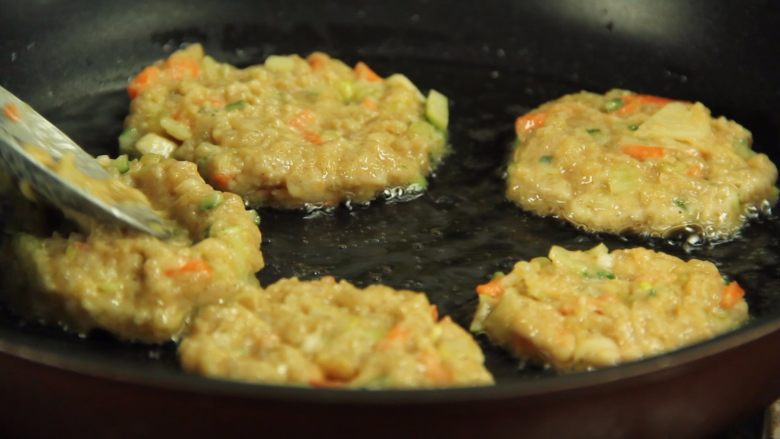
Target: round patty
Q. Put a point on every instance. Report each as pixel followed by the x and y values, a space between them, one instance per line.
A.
pixel 290 132
pixel 583 309
pixel 328 333
pixel 86 275
pixel 626 162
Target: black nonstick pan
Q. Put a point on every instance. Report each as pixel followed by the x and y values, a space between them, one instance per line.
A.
pixel 495 60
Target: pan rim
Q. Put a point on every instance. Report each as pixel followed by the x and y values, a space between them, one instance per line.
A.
pixel 183 382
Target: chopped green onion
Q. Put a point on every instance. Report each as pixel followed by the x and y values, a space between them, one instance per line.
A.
pixel 437 109
pixel 605 275
pixel 211 201
pixel 633 127
pixel 127 140
pixel 546 159
pixel 680 203
pixel 121 164
pixel 345 89
pixel 235 105
pixel 497 275
pixel 593 131
pixel 613 104
pixel 419 183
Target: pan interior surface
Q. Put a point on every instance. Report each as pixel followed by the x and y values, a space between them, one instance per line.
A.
pixel 462 229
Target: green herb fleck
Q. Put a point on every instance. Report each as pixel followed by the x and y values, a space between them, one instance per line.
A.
pixel 497 275
pixel 593 131
pixel 613 104
pixel 211 201
pixel 605 275
pixel 633 127
pixel 601 274
pixel 680 203
pixel 546 159
pixel 235 105
pixel 651 293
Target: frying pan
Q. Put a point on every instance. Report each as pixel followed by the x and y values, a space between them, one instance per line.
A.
pixel 494 59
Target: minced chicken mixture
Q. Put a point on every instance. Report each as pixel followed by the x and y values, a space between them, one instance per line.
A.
pixel 85 275
pixel 325 333
pixel 291 132
pixel 584 309
pixel 623 162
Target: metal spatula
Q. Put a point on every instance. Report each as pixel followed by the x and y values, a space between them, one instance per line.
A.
pixel 21 125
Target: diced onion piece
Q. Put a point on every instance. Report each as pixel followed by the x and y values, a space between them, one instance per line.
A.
pixel 277 63
pixel 623 179
pixel 679 121
pixel 175 129
pixel 154 144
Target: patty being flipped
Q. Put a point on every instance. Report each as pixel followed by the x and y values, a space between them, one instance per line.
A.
pixel 84 275
pixel 325 333
pixel 584 309
pixel 290 132
pixel 627 162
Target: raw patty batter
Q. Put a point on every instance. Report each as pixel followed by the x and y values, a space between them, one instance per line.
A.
pixel 332 334
pixel 138 287
pixel 290 132
pixel 577 310
pixel 625 162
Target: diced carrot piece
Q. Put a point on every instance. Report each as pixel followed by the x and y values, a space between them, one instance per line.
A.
pixel 732 294
pixel 193 266
pixel 643 152
pixel 181 66
pixel 396 334
pixel 492 288
pixel 435 370
pixel 312 137
pixel 303 119
pixel 529 122
pixel 143 80
pixel 369 104
pixel 632 103
pixel 434 312
pixel 317 60
pixel 11 111
pixel 363 71
pixel 221 180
